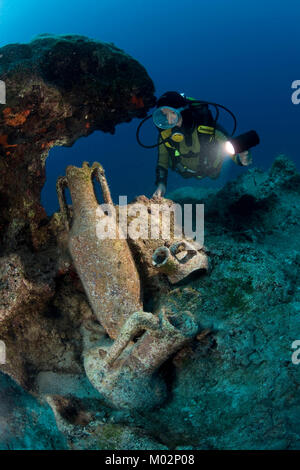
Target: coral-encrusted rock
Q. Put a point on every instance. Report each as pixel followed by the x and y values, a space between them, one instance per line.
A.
pixel 238 388
pixel 58 88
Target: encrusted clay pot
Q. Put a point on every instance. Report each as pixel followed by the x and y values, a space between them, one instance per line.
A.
pixel 105 266
pixel 180 260
pixel 123 368
pixel 125 373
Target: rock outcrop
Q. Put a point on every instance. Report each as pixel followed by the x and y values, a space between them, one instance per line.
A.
pixel 58 88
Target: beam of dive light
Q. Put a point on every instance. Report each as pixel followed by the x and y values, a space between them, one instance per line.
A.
pixel 229 148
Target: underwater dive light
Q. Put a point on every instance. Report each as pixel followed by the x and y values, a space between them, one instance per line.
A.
pixel 242 143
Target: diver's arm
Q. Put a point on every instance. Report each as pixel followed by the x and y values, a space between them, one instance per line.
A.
pixel 160 191
pixel 161 171
pixel 161 181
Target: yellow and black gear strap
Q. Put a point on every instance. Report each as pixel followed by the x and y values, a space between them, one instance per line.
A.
pixel 206 130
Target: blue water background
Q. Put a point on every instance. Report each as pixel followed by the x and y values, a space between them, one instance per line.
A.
pixel 243 54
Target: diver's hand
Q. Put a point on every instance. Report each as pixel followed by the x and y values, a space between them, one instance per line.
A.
pixel 160 191
pixel 245 158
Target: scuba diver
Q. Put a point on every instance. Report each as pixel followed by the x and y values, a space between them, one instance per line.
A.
pixel 191 142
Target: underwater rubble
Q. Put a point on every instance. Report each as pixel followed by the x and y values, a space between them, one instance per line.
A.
pixel 233 386
pixel 168 361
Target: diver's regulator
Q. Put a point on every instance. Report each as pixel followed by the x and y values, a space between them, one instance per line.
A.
pixel 167 117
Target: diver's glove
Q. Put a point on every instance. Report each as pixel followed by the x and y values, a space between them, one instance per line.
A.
pixel 245 158
pixel 161 175
pixel 160 190
pixel 161 181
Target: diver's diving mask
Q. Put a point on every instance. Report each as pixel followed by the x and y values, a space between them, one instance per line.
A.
pixel 166 117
